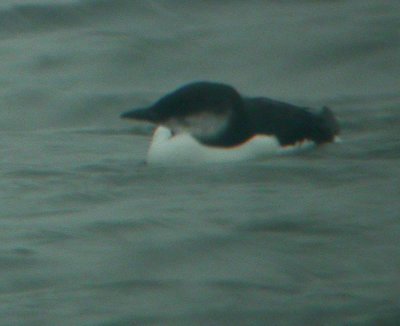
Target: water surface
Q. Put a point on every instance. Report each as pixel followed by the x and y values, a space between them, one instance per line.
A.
pixel 92 236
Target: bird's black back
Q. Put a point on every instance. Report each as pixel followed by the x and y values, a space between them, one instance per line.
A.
pixel 289 123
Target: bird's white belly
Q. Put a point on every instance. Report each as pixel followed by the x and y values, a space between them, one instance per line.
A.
pixel 167 149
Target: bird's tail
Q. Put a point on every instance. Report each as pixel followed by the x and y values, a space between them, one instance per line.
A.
pixel 329 122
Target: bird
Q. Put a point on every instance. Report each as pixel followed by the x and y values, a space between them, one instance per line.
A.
pixel 208 121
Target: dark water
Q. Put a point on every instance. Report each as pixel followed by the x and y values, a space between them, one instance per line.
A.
pixel 92 236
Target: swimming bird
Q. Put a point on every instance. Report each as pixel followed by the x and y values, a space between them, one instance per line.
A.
pixel 212 122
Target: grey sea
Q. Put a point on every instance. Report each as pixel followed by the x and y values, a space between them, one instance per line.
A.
pixel 91 235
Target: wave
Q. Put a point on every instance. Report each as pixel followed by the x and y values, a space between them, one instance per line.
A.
pixel 28 18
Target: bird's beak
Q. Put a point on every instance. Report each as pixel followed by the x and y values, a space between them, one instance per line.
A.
pixel 142 114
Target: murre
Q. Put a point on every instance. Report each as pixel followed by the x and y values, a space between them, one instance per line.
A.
pixel 212 122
